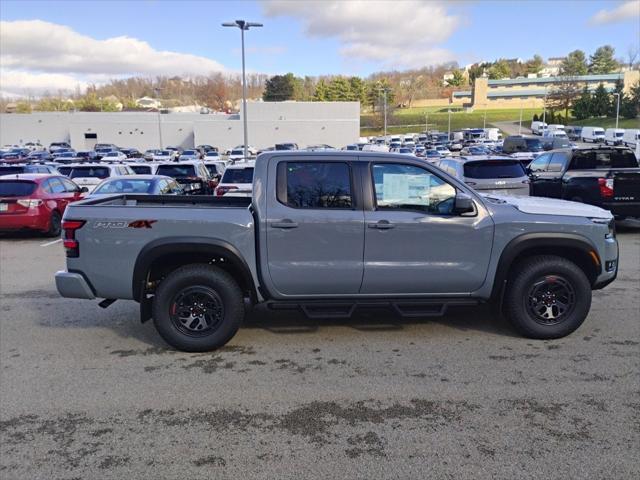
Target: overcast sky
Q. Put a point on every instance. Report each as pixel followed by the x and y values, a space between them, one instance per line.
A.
pixel 52 45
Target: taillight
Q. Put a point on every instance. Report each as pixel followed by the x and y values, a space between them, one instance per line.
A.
pixel 69 238
pixel 29 203
pixel 606 187
pixel 220 191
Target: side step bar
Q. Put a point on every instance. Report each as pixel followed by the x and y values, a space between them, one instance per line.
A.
pixel 408 308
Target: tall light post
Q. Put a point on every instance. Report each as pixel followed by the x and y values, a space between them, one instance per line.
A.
pixel 449 128
pixel 484 121
pixel 520 124
pixel 617 107
pixel 384 91
pixel 157 92
pixel 544 106
pixel 243 25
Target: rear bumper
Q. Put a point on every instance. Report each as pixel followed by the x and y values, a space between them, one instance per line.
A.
pixel 630 209
pixel 73 285
pixel 34 220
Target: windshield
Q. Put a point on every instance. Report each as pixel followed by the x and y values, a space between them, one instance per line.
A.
pixel 238 175
pixel 111 154
pixel 212 154
pixel 164 153
pixel 189 152
pixel 237 152
pixel 125 186
pixel 619 134
pixel 16 188
pixel 494 169
pixel 89 172
pixel 213 169
pixel 141 169
pixel 176 171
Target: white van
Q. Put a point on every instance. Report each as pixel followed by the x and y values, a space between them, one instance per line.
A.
pixel 592 134
pixel 555 126
pixel 372 147
pixel 493 134
pixel 613 136
pixel 555 133
pixel 631 137
pixel 538 127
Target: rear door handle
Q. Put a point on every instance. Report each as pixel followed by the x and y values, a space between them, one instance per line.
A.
pixel 382 225
pixel 286 223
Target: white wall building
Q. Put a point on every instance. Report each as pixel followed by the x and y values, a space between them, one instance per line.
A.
pixel 306 123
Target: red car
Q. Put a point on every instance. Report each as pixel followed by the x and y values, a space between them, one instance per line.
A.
pixel 35 202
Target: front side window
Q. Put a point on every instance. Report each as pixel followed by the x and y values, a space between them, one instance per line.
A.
pixel 407 187
pixel 56 186
pixel 315 185
pixel 69 185
pixel 557 162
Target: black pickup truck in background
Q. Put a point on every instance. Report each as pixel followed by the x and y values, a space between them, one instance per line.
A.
pixel 607 177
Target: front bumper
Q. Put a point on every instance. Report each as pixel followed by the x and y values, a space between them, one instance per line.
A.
pixel 73 285
pixel 610 257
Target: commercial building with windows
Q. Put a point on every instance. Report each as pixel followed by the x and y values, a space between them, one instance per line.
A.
pixel 530 92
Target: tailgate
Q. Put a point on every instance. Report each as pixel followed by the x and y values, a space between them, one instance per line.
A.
pixel 626 186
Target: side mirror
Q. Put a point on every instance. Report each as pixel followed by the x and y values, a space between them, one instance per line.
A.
pixel 84 190
pixel 463 204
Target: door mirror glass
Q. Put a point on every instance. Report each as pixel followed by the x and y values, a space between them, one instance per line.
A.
pixel 84 190
pixel 464 204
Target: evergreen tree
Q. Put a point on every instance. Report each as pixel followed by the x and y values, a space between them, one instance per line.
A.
pixel 535 64
pixel 628 109
pixel 603 61
pixel 357 90
pixel 582 106
pixel 601 102
pixel 535 118
pixel 575 63
pixel 321 93
pixel 339 90
pixel 499 69
pixel 458 79
pixel 279 88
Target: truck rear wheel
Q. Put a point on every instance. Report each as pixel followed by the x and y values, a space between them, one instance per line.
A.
pixel 198 308
pixel 547 297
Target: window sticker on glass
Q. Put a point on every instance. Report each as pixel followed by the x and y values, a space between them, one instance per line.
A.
pixel 402 189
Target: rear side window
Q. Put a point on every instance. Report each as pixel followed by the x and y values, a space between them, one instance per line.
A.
pixel 315 185
pixel 89 172
pixel 494 169
pixel 11 188
pixel 11 170
pixel 593 159
pixel 238 175
pixel 65 170
pixel 176 171
pixel 56 186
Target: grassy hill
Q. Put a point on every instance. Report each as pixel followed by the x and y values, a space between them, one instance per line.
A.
pixel 407 120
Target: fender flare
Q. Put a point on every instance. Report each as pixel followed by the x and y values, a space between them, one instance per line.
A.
pixel 526 241
pixel 187 244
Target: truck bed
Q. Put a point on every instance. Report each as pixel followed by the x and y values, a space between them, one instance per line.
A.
pixel 171 200
pixel 118 228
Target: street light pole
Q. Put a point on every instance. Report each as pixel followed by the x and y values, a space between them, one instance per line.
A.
pixel 157 92
pixel 449 128
pixel 617 107
pixel 544 111
pixel 520 125
pixel 243 25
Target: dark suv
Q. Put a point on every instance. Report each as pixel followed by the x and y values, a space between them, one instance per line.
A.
pixel 522 144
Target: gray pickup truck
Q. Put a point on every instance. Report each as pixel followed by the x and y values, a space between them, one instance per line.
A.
pixel 330 232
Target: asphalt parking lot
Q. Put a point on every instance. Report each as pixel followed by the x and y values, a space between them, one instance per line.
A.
pixel 92 393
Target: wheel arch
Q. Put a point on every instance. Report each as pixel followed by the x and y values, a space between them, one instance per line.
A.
pixel 576 248
pixel 162 256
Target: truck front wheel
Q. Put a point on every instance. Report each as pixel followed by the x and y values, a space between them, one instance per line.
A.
pixel 198 308
pixel 547 297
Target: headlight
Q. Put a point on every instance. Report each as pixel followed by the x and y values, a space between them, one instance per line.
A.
pixel 610 223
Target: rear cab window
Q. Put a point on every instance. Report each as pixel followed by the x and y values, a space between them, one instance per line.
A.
pixel 314 185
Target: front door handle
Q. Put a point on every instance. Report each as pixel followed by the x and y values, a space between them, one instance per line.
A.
pixel 382 225
pixel 286 223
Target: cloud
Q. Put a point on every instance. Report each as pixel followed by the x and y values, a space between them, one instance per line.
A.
pixel 395 33
pixel 623 12
pixel 37 51
pixel 18 84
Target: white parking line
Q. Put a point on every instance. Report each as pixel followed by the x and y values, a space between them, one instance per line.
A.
pixel 51 243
